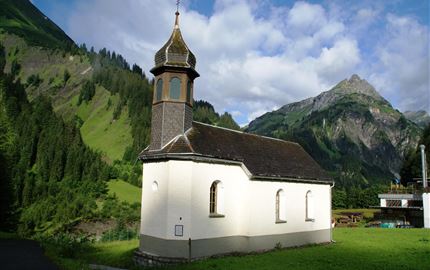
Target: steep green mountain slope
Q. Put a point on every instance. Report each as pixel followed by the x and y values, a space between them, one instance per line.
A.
pixel 44 72
pixel 25 20
pixel 115 120
pixel 350 130
pixel 48 175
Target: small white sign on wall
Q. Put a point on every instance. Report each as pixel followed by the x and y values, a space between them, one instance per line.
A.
pixel 179 230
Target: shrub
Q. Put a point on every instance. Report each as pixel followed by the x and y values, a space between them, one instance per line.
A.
pixel 66 245
pixel 120 233
pixel 34 80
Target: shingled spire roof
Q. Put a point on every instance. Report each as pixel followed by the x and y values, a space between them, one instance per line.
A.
pixel 175 52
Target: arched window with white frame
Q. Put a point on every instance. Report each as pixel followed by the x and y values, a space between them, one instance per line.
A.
pixel 280 207
pixel 309 206
pixel 216 199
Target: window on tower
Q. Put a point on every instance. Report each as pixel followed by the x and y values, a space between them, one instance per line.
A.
pixel 175 88
pixel 159 90
pixel 189 91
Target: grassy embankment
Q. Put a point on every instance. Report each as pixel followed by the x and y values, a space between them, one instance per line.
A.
pixel 99 130
pixel 125 191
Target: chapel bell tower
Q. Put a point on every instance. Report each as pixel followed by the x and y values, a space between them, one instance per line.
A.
pixel 172 105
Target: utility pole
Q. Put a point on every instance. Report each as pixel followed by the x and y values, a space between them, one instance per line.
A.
pixel 424 165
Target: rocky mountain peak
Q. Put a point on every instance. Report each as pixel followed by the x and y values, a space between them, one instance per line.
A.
pixel 353 85
pixel 357 85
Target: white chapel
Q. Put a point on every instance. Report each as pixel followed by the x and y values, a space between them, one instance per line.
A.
pixel 209 190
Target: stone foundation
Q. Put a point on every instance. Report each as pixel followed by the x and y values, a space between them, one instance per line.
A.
pixel 148 260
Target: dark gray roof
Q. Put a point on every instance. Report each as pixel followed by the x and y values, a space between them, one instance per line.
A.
pixel 265 158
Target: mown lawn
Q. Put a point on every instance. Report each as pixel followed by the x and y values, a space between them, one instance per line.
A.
pixel 125 191
pixel 355 248
pixel 118 253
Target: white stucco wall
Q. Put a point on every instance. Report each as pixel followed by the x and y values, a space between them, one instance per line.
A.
pixel 249 206
pixel 426 206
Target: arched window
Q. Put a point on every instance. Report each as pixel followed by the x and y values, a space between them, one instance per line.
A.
pixel 175 88
pixel 154 186
pixel 309 206
pixel 159 89
pixel 280 207
pixel 189 91
pixel 216 199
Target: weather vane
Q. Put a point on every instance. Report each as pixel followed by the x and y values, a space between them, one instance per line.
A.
pixel 177 5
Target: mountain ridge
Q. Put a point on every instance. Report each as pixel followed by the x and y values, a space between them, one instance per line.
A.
pixel 25 20
pixel 421 117
pixel 350 130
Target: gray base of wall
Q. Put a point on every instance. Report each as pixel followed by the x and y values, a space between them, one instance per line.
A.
pixel 148 260
pixel 180 251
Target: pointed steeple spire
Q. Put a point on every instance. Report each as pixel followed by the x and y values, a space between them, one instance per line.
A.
pixel 175 52
pixel 177 20
pixel 177 14
pixel 172 104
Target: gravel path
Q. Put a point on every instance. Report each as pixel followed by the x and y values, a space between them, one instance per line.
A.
pixel 23 254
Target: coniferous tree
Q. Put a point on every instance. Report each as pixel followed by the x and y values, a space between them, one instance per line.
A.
pixel 411 167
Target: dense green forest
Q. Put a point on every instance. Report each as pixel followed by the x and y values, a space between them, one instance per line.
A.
pixel 204 112
pixel 49 177
pixel 412 166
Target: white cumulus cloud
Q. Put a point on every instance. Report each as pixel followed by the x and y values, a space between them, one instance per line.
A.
pixel 251 63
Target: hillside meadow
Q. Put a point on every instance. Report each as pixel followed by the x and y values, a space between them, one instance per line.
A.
pixel 354 248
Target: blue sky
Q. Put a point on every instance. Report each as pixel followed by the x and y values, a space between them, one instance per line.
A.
pixel 255 56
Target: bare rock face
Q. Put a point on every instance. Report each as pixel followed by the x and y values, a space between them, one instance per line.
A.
pixel 350 130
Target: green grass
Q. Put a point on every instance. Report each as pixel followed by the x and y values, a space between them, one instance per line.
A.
pixel 117 254
pixel 125 191
pixel 99 131
pixel 355 248
pixel 8 235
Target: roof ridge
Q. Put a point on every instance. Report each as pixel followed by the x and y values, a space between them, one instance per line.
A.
pixel 246 133
pixel 188 141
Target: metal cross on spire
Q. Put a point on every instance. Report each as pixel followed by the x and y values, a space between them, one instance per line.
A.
pixel 177 14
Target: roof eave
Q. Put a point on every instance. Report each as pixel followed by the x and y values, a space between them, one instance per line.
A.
pixel 210 159
pixel 166 67
pixel 292 179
